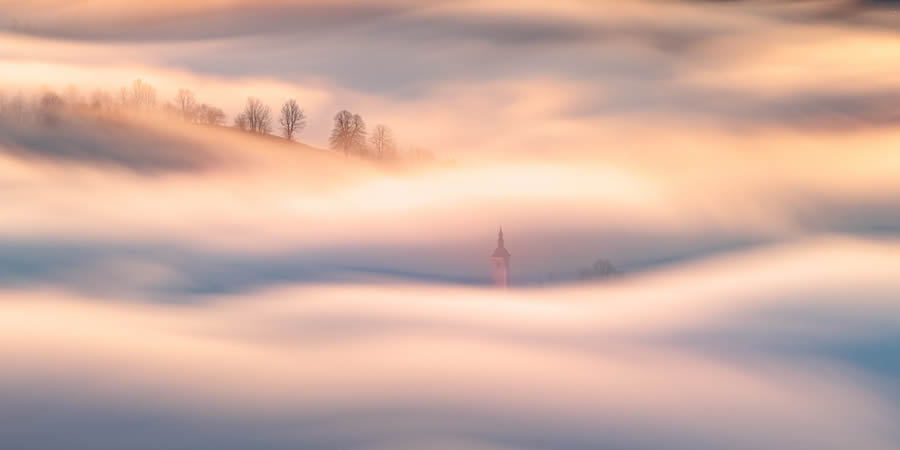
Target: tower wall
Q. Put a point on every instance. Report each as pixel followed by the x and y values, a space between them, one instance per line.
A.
pixel 501 271
pixel 500 259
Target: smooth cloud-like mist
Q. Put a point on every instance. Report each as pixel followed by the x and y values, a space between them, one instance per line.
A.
pixel 166 284
pixel 777 346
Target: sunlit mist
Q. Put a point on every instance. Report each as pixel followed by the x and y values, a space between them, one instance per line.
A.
pixel 652 224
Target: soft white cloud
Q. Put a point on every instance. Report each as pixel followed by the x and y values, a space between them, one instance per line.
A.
pixel 167 285
pixel 570 368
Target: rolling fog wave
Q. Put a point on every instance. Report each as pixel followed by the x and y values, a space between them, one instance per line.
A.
pixel 747 351
pixel 700 200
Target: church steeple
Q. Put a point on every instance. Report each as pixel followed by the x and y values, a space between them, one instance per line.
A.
pixel 500 257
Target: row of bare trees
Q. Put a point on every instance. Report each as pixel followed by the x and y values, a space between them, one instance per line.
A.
pixel 187 107
pixel 13 107
pixel 256 117
pixel 348 135
pixel 47 105
pixel 45 108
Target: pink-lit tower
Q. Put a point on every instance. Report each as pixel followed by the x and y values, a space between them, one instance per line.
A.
pixel 501 262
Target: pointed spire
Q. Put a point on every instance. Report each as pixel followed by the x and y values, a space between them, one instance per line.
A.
pixel 501 261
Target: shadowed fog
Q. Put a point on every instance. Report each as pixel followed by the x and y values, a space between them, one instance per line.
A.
pixel 748 352
pixel 701 200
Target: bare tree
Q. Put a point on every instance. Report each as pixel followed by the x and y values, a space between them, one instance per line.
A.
pixel 124 97
pixel 142 95
pixel 258 116
pixel 349 133
pixel 382 141
pixel 292 119
pixel 16 107
pixel 49 107
pixel 6 104
pixel 601 270
pixel 210 115
pixel 186 104
pixel 240 122
pixel 359 134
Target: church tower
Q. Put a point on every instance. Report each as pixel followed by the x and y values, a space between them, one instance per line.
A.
pixel 501 262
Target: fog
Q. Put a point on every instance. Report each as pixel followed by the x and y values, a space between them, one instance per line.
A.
pixel 171 284
pixel 195 197
pixel 746 352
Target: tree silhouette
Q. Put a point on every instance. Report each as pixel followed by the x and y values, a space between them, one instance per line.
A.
pixel 292 119
pixel 124 97
pixel 240 122
pixel 49 107
pixel 349 133
pixel 601 270
pixel 382 141
pixel 186 104
pixel 16 107
pixel 142 95
pixel 210 115
pixel 258 116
